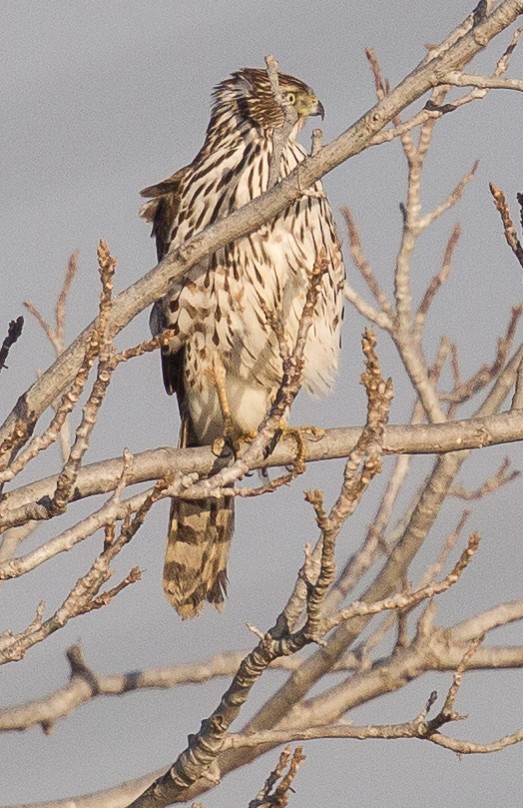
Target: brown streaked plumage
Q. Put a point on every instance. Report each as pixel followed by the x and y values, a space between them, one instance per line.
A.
pixel 218 310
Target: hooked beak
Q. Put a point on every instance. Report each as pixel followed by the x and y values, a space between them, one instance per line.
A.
pixel 318 109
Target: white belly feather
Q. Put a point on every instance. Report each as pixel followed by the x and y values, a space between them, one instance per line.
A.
pixel 219 307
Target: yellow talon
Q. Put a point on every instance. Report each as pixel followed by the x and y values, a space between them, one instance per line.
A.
pixel 298 435
pixel 218 446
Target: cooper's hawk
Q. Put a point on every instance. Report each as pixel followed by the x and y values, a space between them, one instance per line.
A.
pixel 218 311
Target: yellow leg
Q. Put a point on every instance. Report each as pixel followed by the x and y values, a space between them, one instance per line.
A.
pixel 218 372
pixel 231 434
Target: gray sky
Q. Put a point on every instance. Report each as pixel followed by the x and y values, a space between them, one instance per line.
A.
pixel 100 99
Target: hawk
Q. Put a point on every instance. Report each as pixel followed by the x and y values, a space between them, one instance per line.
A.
pixel 219 311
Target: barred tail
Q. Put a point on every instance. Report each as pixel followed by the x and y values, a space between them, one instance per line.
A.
pixel 195 567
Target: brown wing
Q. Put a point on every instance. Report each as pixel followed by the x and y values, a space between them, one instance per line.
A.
pixel 162 210
pixel 194 569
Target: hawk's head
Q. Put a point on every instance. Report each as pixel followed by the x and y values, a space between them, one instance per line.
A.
pixel 248 93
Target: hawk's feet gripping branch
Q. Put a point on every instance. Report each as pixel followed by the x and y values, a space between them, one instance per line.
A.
pixel 299 435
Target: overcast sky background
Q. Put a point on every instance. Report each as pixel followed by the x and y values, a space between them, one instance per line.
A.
pixel 100 99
